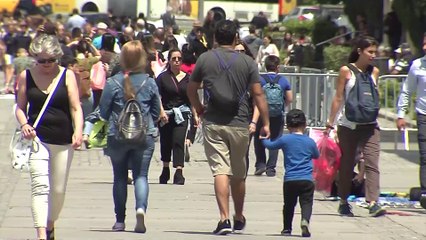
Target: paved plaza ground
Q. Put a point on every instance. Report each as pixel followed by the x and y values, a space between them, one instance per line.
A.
pixel 190 212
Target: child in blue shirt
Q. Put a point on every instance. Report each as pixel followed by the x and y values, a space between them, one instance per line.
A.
pixel 299 150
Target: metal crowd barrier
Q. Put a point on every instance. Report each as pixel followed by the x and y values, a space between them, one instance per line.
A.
pixel 313 94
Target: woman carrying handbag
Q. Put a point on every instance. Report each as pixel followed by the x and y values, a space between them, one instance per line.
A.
pixel 56 136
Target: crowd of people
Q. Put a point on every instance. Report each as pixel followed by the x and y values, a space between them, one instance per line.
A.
pixel 89 69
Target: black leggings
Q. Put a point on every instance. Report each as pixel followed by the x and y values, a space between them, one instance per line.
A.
pixel 172 139
pixel 303 189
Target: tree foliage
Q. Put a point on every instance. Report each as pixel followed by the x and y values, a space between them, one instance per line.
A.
pixel 412 14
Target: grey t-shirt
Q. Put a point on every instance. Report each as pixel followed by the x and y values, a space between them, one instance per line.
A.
pixel 244 73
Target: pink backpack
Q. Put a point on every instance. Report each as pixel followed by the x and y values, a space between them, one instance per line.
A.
pixel 98 76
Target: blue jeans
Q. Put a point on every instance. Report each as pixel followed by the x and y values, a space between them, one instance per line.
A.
pixel 421 138
pixel 139 158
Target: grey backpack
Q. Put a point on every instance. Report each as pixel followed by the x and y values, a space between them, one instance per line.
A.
pixel 362 104
pixel 132 124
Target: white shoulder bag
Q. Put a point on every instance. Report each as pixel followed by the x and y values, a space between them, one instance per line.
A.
pixel 21 147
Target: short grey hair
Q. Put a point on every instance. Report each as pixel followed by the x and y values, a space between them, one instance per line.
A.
pixel 47 44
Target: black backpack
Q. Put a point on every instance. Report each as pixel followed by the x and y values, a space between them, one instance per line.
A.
pixel 362 103
pixel 132 124
pixel 221 94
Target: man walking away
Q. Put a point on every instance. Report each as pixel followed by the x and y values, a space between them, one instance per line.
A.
pixel 227 76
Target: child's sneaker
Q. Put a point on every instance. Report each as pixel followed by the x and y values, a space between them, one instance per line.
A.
pixel 304 225
pixel 345 209
pixel 140 221
pixel 118 227
pixel 286 232
pixel 223 228
pixel 376 211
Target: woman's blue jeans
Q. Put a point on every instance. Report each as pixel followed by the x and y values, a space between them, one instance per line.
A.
pixel 138 158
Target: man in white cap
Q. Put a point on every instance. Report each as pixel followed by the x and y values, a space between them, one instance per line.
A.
pixel 140 29
pixel 403 60
pixel 101 28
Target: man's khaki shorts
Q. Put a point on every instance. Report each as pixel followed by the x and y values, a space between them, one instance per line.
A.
pixel 226 149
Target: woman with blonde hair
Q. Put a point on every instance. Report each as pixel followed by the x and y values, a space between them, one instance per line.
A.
pixel 59 131
pixel 132 82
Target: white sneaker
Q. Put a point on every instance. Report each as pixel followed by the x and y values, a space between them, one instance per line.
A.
pixel 118 227
pixel 140 221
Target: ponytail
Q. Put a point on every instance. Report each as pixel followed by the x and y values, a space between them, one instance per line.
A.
pixel 129 91
pixel 353 56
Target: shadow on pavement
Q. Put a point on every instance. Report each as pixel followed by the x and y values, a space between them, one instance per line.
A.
pixel 191 232
pixel 411 156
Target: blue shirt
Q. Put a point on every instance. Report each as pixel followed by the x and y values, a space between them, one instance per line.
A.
pixel 299 150
pixel 283 82
pixel 112 100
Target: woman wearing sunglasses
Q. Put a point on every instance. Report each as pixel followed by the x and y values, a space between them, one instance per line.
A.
pixel 59 130
pixel 174 117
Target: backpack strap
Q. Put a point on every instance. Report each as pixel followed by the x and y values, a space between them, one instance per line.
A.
pixel 268 79
pixel 353 68
pixel 140 88
pixel 225 66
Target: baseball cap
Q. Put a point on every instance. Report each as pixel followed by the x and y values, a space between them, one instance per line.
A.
pixel 403 48
pixel 101 25
pixel 140 21
pixel 196 23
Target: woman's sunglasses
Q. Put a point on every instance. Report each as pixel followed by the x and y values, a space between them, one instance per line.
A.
pixel 50 60
pixel 178 59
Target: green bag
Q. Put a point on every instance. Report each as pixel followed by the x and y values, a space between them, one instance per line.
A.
pixel 98 135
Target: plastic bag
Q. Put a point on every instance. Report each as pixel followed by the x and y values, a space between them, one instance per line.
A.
pixel 98 136
pixel 327 165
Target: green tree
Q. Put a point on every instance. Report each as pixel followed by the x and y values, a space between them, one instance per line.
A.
pixel 371 10
pixel 412 14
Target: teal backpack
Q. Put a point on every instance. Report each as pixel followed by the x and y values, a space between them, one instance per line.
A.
pixel 274 95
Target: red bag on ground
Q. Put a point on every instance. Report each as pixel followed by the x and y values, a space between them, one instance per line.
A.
pixel 327 165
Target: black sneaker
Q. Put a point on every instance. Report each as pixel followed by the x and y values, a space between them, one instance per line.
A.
pixel 223 228
pixel 259 171
pixel 286 232
pixel 376 211
pixel 345 209
pixel 271 172
pixel 304 225
pixel 239 225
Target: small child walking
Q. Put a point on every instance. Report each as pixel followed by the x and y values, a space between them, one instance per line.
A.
pixel 299 150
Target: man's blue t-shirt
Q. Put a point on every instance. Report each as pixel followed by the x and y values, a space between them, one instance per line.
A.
pixel 299 150
pixel 283 82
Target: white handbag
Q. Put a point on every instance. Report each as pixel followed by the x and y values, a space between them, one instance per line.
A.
pixel 19 146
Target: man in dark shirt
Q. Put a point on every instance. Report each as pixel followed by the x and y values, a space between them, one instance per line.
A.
pixel 226 132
